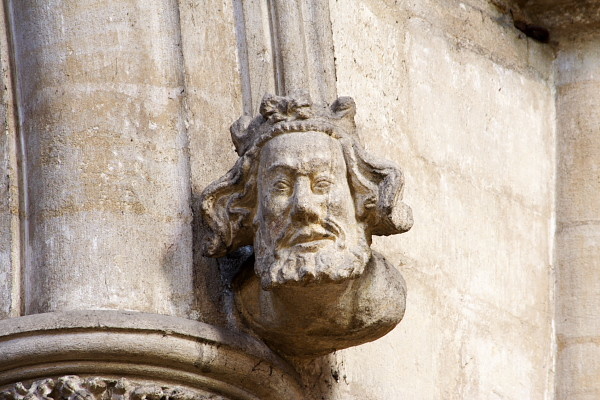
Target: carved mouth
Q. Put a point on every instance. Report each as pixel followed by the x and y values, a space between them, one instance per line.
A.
pixel 311 238
pixel 312 245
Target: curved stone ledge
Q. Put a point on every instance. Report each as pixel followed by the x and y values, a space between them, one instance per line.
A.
pixel 162 349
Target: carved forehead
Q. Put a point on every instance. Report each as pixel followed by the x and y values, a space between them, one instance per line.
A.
pixel 302 150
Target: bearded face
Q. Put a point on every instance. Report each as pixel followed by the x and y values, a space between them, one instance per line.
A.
pixel 306 227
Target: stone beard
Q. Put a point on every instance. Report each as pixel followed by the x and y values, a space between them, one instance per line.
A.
pixel 305 228
pixel 289 266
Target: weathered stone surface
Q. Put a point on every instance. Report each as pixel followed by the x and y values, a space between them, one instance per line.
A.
pixel 563 17
pixel 308 199
pixel 317 320
pixel 208 38
pixel 10 185
pixel 101 87
pixel 72 387
pixel 450 90
pixel 465 103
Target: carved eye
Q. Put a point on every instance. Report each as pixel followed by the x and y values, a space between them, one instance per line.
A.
pixel 281 186
pixel 322 185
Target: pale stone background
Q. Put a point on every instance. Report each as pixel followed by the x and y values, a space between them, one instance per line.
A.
pixel 124 109
pixel 465 104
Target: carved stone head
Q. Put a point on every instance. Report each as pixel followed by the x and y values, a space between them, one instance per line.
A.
pixel 306 196
pixel 303 193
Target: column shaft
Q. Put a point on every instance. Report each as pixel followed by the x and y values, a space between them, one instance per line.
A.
pixel 578 219
pixel 10 186
pixel 100 87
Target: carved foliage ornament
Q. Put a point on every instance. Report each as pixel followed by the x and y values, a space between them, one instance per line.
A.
pixel 95 388
pixel 308 198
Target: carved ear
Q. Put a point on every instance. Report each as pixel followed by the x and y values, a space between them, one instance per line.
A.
pixel 226 212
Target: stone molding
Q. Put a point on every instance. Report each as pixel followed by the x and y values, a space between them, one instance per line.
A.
pixel 167 351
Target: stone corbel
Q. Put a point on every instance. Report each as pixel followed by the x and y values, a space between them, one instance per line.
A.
pixel 307 198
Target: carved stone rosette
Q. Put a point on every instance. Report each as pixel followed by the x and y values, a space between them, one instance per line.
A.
pixel 73 387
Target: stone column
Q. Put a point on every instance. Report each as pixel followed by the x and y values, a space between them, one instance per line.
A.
pixel 578 218
pixel 100 85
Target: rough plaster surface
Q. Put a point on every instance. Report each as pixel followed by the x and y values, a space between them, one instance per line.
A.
pixel 578 219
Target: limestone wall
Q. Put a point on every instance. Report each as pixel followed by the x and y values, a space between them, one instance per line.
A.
pixel 465 104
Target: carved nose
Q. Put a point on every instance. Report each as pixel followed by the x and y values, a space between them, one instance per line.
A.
pixel 305 207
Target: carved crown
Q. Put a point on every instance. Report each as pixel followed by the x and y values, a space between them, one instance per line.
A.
pixel 296 113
